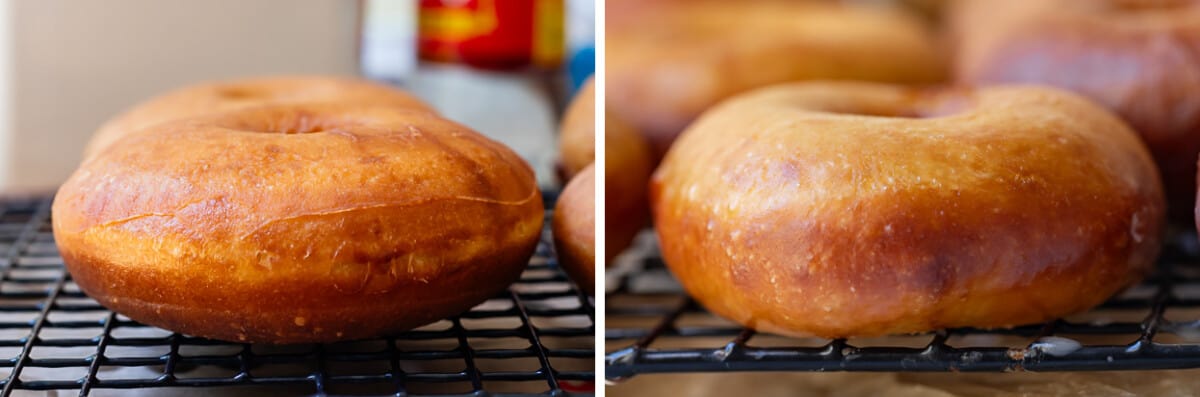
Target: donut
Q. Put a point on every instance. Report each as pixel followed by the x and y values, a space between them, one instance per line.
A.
pixel 298 223
pixel 932 10
pixel 216 97
pixel 574 228
pixel 1137 58
pixel 669 61
pixel 628 163
pixel 858 209
pixel 577 133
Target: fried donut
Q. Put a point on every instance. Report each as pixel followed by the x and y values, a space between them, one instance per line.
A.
pixel 628 163
pixel 298 223
pixel 669 61
pixel 627 167
pixel 577 134
pixel 216 97
pixel 854 209
pixel 574 228
pixel 1138 58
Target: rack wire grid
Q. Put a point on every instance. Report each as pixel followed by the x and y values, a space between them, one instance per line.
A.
pixel 653 327
pixel 535 338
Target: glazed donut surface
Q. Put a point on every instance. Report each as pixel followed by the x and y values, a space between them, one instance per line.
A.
pixel 221 96
pixel 845 209
pixel 298 223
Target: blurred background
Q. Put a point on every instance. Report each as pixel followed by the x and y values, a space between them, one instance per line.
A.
pixel 503 67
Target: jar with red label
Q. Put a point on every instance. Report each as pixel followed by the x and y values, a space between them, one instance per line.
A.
pixel 493 34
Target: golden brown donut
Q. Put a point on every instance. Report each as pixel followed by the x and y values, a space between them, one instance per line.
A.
pixel 298 223
pixel 628 163
pixel 1138 58
pixel 671 60
pixel 574 227
pixel 627 166
pixel 852 209
pixel 216 97
pixel 932 10
pixel 577 134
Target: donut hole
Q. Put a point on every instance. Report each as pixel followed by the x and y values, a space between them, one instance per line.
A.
pixel 1124 6
pixel 303 126
pixel 873 110
pixel 291 123
pixel 238 93
pixel 915 107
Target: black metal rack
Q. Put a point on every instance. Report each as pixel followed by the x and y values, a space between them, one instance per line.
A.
pixel 653 327
pixel 536 338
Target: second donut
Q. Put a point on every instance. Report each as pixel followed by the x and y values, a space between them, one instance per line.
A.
pixel 843 209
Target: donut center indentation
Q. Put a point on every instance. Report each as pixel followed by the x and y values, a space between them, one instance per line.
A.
pixel 291 124
pixel 877 111
pixel 1149 5
pixel 238 93
pixel 302 125
pixel 917 106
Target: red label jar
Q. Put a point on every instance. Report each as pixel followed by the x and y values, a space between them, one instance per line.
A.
pixel 492 34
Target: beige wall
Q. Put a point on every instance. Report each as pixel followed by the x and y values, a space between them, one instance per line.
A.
pixel 66 65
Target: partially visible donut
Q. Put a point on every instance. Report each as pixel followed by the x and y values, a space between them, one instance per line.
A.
pixel 627 167
pixel 852 209
pixel 628 163
pixel 1138 58
pixel 216 97
pixel 298 223
pixel 577 134
pixel 574 228
pixel 669 61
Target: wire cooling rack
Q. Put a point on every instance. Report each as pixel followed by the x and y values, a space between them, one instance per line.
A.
pixel 536 338
pixel 653 327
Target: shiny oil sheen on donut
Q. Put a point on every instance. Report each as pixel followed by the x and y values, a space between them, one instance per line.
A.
pixel 298 223
pixel 844 209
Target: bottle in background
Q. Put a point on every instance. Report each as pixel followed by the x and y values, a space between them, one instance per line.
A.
pixel 494 65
